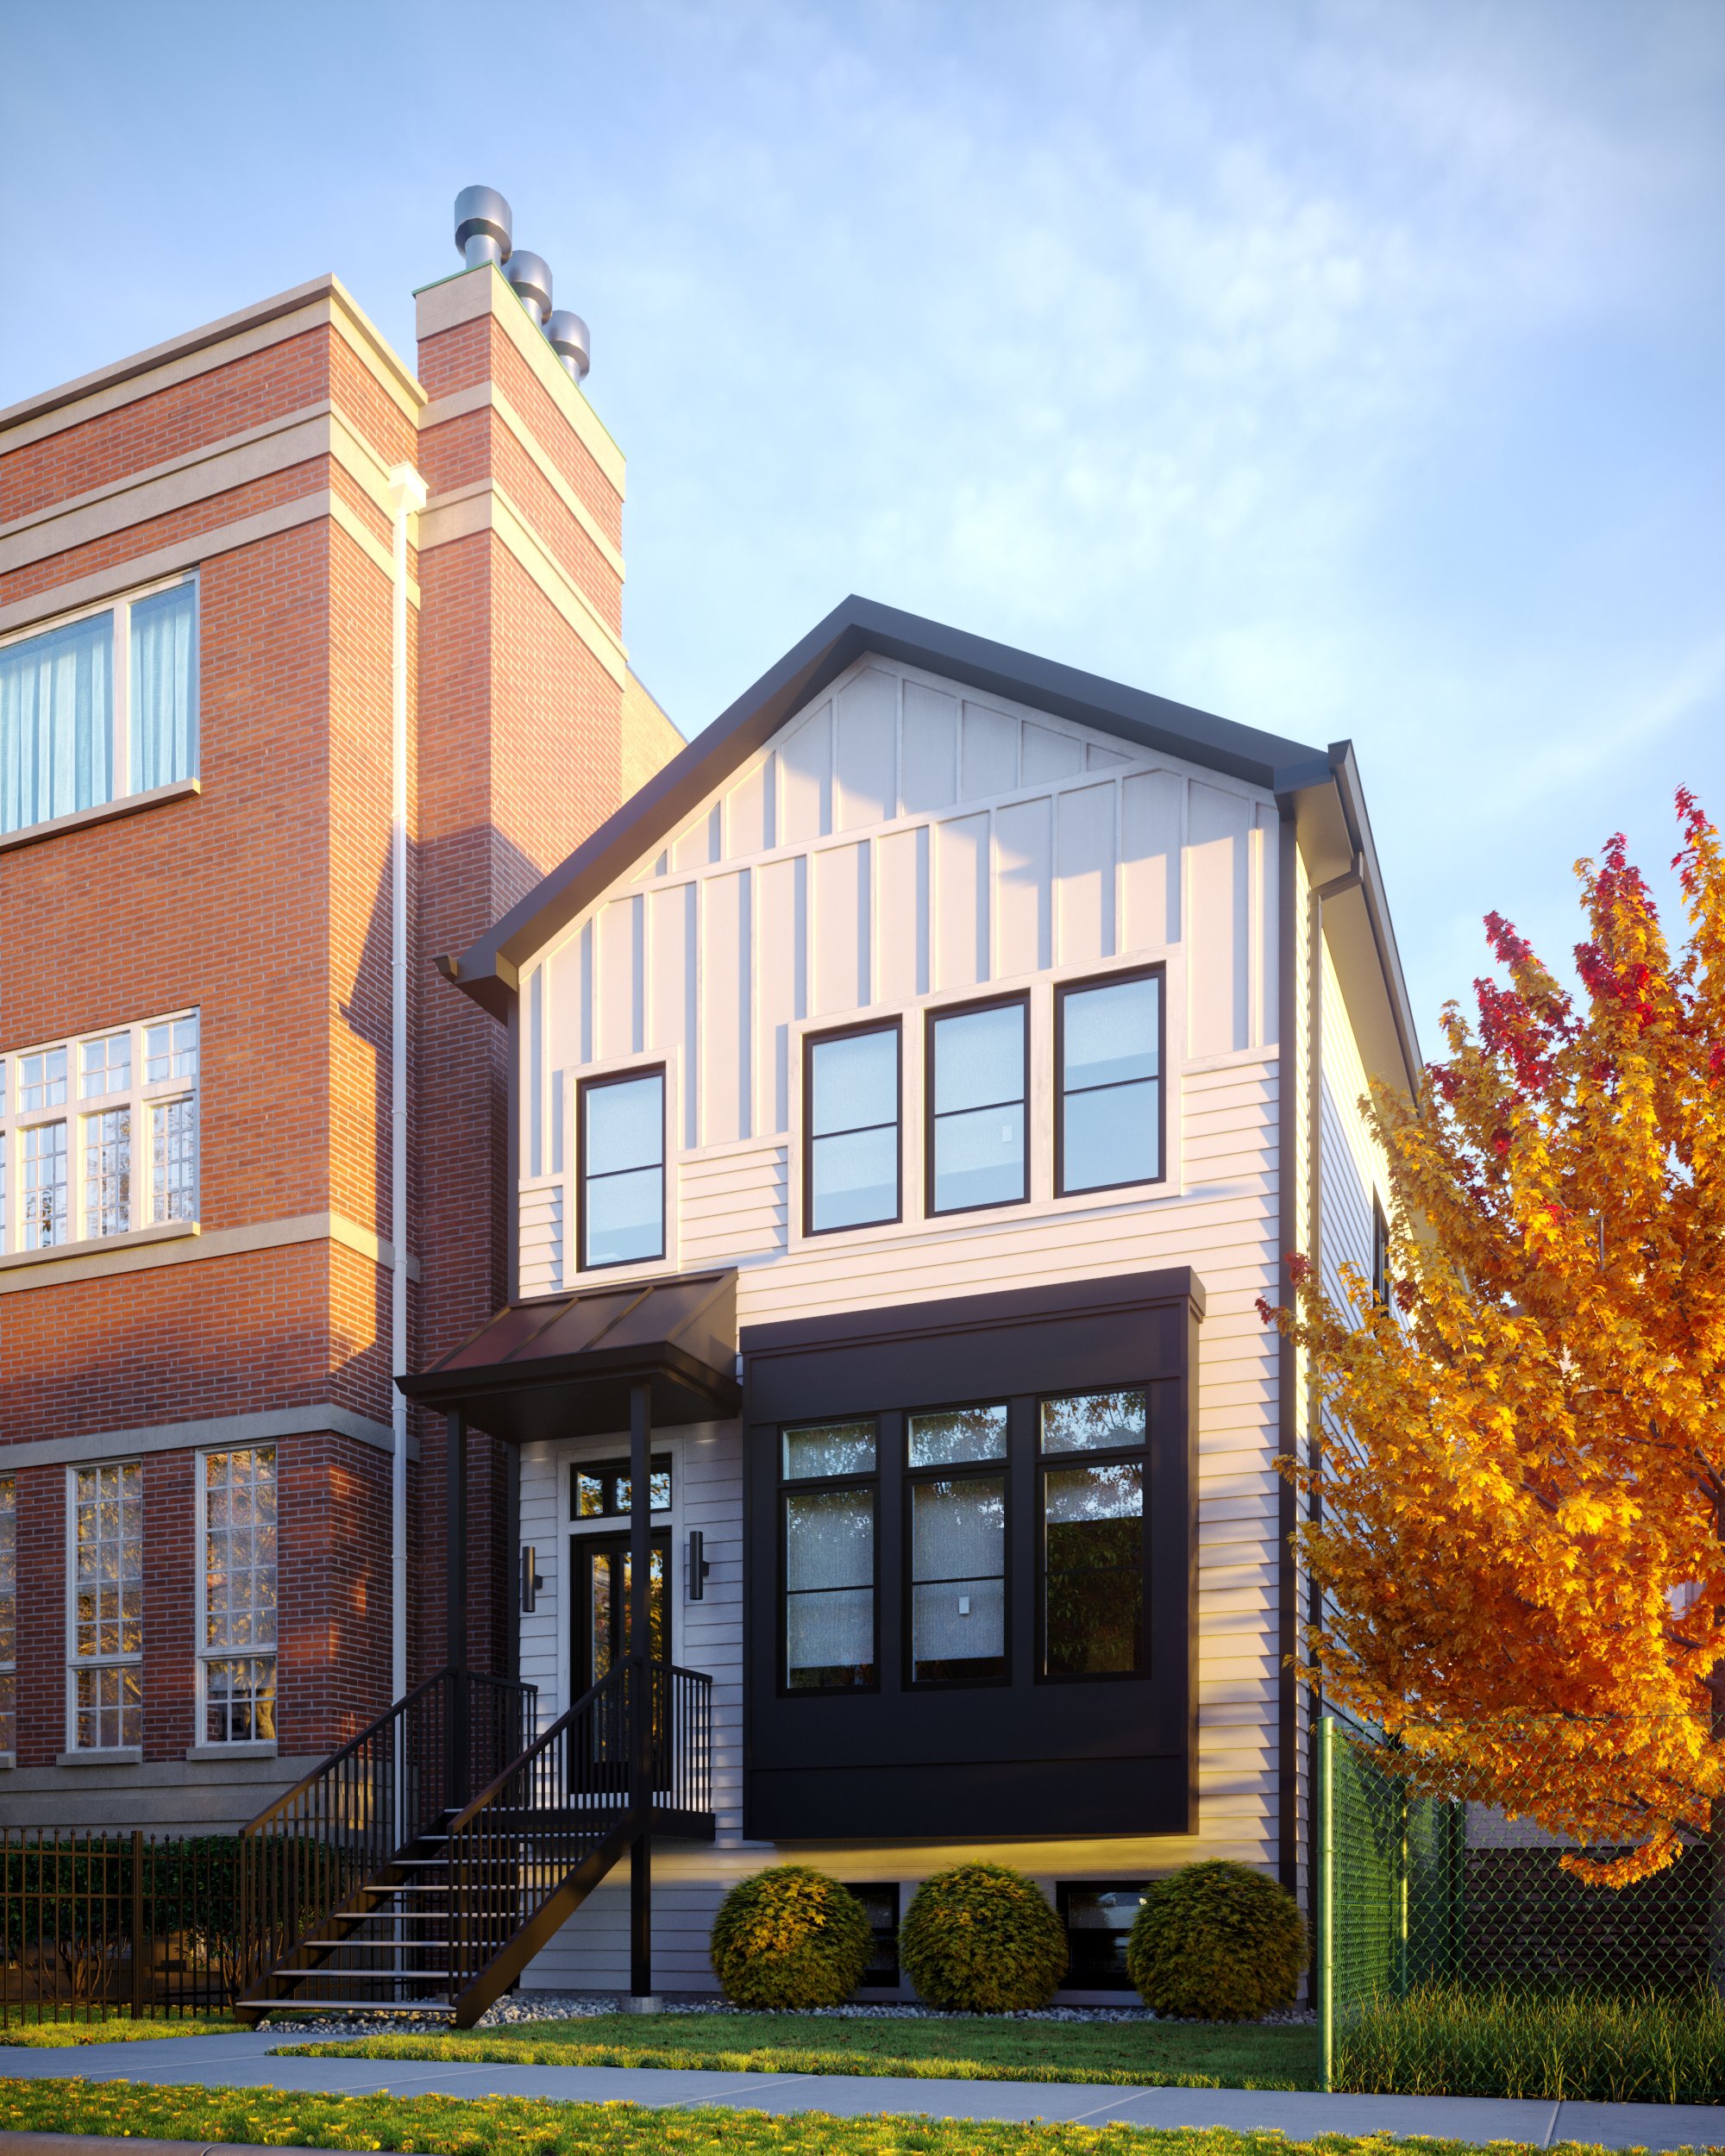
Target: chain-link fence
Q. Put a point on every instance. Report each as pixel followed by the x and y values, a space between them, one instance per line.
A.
pixel 1455 1957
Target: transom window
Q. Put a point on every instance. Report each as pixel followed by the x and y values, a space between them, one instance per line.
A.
pixel 8 1614
pixel 621 1206
pixel 99 707
pixel 958 1546
pixel 600 1491
pixel 98 1135
pixel 1108 1050
pixel 107 1614
pixel 978 1078
pixel 851 1107
pixel 828 1500
pixel 1091 1448
pixel 237 1650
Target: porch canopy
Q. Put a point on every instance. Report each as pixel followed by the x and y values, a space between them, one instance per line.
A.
pixel 569 1366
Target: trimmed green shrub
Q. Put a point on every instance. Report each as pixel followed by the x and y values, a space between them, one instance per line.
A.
pixel 790 1937
pixel 981 1938
pixel 1217 1942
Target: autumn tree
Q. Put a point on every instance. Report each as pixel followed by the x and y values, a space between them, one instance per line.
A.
pixel 1521 1469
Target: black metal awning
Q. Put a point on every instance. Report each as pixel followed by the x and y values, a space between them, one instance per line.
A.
pixel 563 1366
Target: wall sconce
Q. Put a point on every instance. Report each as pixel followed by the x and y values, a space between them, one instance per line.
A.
pixel 530 1580
pixel 699 1567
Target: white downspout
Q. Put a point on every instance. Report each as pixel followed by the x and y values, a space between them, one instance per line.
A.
pixel 407 496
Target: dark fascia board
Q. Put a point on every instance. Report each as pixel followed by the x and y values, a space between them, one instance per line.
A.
pixel 488 970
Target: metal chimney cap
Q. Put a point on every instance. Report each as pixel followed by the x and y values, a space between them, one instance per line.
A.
pixel 531 274
pixel 571 341
pixel 483 225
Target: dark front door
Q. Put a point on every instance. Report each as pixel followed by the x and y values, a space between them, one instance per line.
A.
pixel 602 1583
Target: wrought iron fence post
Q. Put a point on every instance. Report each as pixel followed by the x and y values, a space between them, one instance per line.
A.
pixel 137 1924
pixel 1326 1897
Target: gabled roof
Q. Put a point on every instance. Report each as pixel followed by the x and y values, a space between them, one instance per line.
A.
pixel 487 970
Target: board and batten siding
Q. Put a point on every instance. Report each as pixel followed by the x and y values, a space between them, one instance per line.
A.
pixel 899 844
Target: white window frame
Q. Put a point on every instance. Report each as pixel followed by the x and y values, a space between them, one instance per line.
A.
pixel 120 678
pixel 83 1665
pixel 140 1099
pixel 206 1654
pixel 9 1664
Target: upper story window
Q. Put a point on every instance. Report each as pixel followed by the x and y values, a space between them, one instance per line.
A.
pixel 978 1079
pixel 98 1135
pixel 956 1460
pixel 236 1648
pixel 829 1498
pixel 623 1169
pixel 9 1615
pixel 851 1106
pixel 1091 1449
pixel 99 707
pixel 1381 1282
pixel 107 1614
pixel 1108 1054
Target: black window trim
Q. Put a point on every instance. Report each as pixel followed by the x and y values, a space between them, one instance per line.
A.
pixel 1064 1891
pixel 932 1016
pixel 584 1087
pixel 658 1463
pixel 1113 1456
pixel 1158 973
pixel 810 1042
pixel 796 1485
pixel 972 1470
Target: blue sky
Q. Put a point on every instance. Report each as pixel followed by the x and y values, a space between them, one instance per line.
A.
pixel 1351 369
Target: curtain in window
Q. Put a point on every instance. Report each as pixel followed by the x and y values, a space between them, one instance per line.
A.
pixel 56 722
pixel 164 716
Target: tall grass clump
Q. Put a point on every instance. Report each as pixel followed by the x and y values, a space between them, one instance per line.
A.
pixel 1572 2046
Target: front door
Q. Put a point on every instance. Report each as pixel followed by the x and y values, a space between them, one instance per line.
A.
pixel 601 1613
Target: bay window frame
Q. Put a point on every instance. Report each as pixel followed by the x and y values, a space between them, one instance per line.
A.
pixel 1138 1455
pixel 818 1486
pixel 998 1469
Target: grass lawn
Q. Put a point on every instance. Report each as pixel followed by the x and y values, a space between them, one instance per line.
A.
pixel 118 2028
pixel 513 2126
pixel 970 2048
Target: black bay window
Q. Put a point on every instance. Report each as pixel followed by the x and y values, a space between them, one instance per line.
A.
pixel 829 1570
pixel 957 1460
pixel 978 1080
pixel 621 1190
pixel 1108 1052
pixel 851 1112
pixel 1093 1533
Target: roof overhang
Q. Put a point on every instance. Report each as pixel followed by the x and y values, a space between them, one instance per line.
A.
pixel 564 1366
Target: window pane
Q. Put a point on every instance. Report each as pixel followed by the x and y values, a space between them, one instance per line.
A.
pixel 1099 1921
pixel 1093 1587
pixel 1109 1034
pixel 56 722
pixel 625 1217
pixel 855 1081
pixel 625 1125
pixel 46 1214
pixel 829 1448
pixel 957 1434
pixel 108 1172
pixel 171 1051
pixel 979 1158
pixel 1110 1137
pixel 174 1160
pixel 958 1555
pixel 1093 1422
pixel 41 1080
pixel 164 714
pixel 979 1059
pixel 854 1179
pixel 829 1590
pixel 106 1066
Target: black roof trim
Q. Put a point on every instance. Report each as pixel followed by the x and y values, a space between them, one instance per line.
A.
pixel 487 970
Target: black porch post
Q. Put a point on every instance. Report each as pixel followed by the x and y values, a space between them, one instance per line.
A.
pixel 458 1749
pixel 641 1684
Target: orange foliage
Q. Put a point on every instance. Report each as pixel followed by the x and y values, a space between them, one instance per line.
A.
pixel 1522 1468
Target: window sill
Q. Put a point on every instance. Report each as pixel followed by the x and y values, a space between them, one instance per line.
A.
pixel 160 1232
pixel 118 1756
pixel 7 1761
pixel 103 812
pixel 248 1748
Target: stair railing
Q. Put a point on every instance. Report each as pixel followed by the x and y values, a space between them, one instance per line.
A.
pixel 314 1849
pixel 520 1842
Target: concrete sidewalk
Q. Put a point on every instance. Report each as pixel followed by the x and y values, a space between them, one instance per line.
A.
pixel 244 2061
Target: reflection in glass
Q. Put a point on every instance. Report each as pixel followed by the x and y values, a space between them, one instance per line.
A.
pixel 1110 1084
pixel 623 1165
pixel 1099 1921
pixel 853 1112
pixel 978 1136
pixel 957 1434
pixel 829 1448
pixel 958 1564
pixel 1093 1422
pixel 1093 1570
pixel 829 1590
pixel 601 1488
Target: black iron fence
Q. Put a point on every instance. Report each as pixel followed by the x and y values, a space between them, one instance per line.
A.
pixel 92 1926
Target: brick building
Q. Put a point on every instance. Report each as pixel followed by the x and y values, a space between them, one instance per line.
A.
pixel 310 669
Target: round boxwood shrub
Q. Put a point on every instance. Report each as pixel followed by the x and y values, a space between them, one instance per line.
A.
pixel 1217 1942
pixel 790 1937
pixel 981 1938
